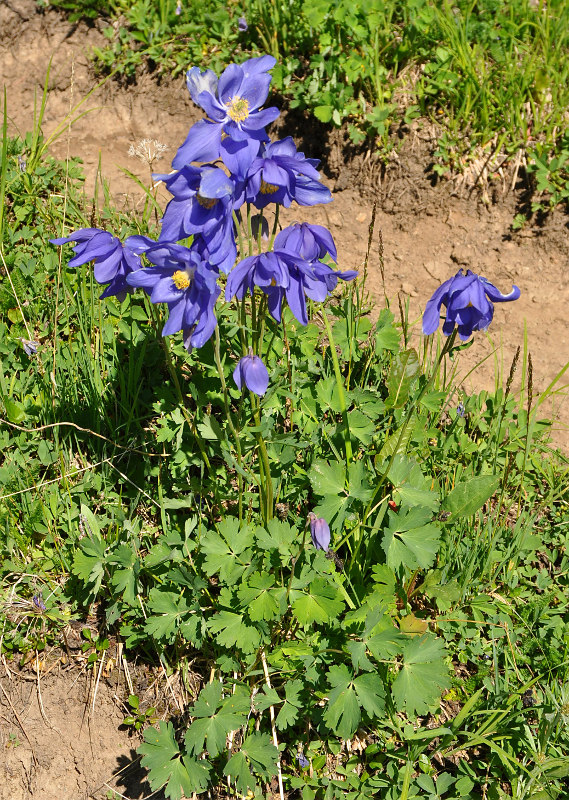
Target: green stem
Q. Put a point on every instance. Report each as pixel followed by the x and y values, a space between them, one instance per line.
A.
pixel 217 352
pixel 340 385
pixel 178 389
pixel 275 226
pixel 446 349
pixel 266 467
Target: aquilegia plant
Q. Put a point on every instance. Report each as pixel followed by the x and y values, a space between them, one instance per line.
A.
pixel 284 623
pixel 207 231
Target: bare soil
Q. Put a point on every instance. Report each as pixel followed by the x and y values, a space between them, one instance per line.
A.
pixel 72 748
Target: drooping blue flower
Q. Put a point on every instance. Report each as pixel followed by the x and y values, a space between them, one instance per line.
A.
pixel 468 299
pixel 280 174
pixel 281 274
pixel 311 242
pixel 253 373
pixel 113 259
pixel 187 284
pixel 319 532
pixel 203 203
pixel 236 124
pixel 242 24
pixel 303 762
pixel 30 346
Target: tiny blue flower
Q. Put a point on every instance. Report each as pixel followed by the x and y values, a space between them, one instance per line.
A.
pixel 253 373
pixel 30 346
pixel 303 762
pixel 469 303
pixel 460 410
pixel 38 602
pixel 319 532
pixel 242 24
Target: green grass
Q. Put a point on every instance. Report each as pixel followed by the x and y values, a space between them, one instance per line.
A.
pixel 492 76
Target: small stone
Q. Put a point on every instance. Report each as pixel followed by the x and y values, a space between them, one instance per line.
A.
pixel 362 217
pixel 462 254
pixel 335 219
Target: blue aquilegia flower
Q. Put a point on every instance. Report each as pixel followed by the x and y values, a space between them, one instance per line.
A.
pixel 468 300
pixel 280 174
pixel 236 124
pixel 187 284
pixel 203 203
pixel 319 532
pixel 113 259
pixel 311 242
pixel 282 274
pixel 251 372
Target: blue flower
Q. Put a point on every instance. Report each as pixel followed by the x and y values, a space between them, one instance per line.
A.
pixel 114 260
pixel 236 125
pixel 30 346
pixel 281 274
pixel 204 198
pixel 280 174
pixel 469 303
pixel 253 373
pixel 311 242
pixel 242 24
pixel 187 284
pixel 303 762
pixel 319 532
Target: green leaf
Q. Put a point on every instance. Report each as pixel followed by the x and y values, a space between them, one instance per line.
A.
pixel 161 757
pixel 411 487
pixel 14 411
pixel 279 536
pixel 257 754
pixel 361 427
pixel 238 770
pixel 320 604
pixel 467 497
pixel 408 542
pixel 260 599
pixel 343 711
pixel 323 113
pixel 89 563
pixel 404 371
pixel 215 719
pixel 422 677
pixel 386 336
pixel 171 613
pixel 393 444
pixel 233 631
pixel 371 694
pixel 125 580
pixel 227 551
pixel 327 479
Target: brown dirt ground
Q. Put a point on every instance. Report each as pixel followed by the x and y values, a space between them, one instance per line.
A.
pixel 428 232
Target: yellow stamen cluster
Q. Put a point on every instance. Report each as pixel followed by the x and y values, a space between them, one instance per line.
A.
pixel 238 109
pixel 206 202
pixel 181 279
pixel 268 188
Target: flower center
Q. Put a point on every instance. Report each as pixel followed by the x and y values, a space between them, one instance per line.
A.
pixel 206 202
pixel 268 188
pixel 181 279
pixel 238 109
